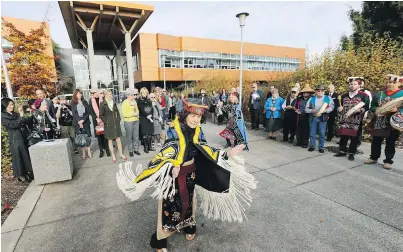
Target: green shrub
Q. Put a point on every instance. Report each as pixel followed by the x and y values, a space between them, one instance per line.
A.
pixel 6 161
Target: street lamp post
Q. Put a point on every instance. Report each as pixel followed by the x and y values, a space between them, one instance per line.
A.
pixel 165 84
pixel 241 16
pixel 6 78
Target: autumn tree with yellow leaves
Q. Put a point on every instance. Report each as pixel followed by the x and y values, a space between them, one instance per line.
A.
pixel 373 62
pixel 29 66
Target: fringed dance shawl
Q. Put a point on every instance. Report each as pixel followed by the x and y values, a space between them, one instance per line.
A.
pixel 223 184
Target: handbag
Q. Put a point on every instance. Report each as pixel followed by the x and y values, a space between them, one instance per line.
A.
pixel 82 139
pixel 99 130
pixel 34 138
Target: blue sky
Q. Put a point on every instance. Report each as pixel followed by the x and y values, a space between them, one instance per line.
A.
pixel 314 25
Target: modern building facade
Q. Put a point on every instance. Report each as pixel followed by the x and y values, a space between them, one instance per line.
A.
pixel 191 59
pixel 101 34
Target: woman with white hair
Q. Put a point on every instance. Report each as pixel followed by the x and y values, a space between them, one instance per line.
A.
pixel 273 109
pixel 109 114
pixel 130 113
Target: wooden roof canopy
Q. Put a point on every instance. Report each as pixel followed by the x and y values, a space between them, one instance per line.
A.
pixel 107 20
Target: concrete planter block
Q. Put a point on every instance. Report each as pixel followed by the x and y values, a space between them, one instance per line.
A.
pixel 52 161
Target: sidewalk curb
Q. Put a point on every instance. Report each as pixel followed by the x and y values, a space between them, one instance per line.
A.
pixel 14 225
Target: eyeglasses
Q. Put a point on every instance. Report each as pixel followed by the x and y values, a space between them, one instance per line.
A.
pixel 293 92
pixel 152 97
pixel 135 94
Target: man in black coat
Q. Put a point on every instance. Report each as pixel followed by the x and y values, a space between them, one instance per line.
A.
pixel 332 115
pixel 205 101
pixel 255 99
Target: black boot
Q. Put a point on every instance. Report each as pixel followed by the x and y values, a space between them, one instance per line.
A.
pixel 340 154
pixel 150 143
pixel 108 153
pixel 30 175
pixel 351 157
pixel 101 153
pixel 145 141
pixel 23 179
pixel 228 144
pixel 131 153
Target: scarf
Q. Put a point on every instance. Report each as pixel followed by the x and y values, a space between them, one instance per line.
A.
pixel 80 109
pixel 95 106
pixel 37 103
pixel 110 104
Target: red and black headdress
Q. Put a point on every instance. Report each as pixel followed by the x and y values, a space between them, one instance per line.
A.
pixel 360 80
pixel 395 78
pixel 194 106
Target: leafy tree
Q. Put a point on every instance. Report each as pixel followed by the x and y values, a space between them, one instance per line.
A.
pixel 6 161
pixel 374 61
pixel 376 19
pixel 384 17
pixel 29 66
pixel 64 83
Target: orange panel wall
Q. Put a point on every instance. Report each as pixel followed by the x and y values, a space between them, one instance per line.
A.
pixel 150 43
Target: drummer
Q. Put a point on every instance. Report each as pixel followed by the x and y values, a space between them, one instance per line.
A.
pixel 356 103
pixel 381 124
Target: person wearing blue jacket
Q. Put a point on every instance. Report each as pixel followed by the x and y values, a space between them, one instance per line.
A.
pixel 273 109
pixel 319 107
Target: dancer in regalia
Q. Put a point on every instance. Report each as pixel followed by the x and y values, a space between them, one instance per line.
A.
pixel 385 105
pixel 235 129
pixel 186 166
pixel 353 106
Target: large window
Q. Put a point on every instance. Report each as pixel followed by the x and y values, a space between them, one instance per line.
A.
pixel 106 71
pixel 212 60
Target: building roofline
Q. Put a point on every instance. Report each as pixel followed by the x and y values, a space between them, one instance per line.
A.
pixel 222 40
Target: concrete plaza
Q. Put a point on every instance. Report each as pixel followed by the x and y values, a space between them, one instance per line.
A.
pixel 305 201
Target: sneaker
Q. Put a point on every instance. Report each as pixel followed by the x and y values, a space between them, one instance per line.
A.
pixel 387 166
pixel 311 149
pixel 321 151
pixel 351 157
pixel 369 161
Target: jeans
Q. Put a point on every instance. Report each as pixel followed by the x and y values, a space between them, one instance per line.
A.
pixel 376 147
pixel 314 126
pixel 132 134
